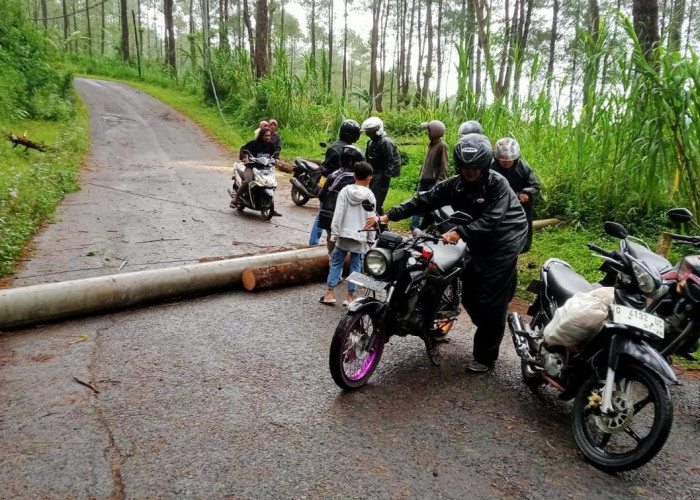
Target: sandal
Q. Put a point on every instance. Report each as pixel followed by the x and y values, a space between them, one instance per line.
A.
pixel 329 302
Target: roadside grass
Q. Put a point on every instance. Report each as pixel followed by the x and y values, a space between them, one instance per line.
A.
pixel 32 183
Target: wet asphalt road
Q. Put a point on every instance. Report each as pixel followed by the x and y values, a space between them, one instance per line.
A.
pixel 229 395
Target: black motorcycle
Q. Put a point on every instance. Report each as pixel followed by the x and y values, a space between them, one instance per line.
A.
pixel 677 300
pixel 622 412
pixel 259 193
pixel 413 287
pixel 306 179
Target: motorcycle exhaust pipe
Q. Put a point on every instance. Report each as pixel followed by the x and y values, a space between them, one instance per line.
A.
pixel 518 331
pixel 298 184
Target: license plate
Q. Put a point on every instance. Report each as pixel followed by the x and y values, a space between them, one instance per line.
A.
pixel 638 319
pixel 366 281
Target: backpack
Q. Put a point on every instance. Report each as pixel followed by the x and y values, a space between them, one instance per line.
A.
pixel 325 216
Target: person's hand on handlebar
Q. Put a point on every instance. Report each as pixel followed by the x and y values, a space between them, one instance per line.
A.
pixel 372 221
pixel 450 237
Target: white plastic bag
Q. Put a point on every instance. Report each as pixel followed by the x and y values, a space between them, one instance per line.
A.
pixel 580 318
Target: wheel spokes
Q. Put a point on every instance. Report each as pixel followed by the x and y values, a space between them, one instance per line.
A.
pixel 631 433
pixel 604 440
pixel 639 405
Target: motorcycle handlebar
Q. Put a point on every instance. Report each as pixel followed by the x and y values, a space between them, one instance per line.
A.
pixel 601 251
pixel 693 240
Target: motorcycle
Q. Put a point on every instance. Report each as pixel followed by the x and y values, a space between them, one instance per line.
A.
pixel 412 287
pixel 677 300
pixel 622 411
pixel 260 192
pixel 306 179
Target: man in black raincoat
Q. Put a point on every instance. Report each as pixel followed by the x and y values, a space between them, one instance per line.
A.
pixel 495 238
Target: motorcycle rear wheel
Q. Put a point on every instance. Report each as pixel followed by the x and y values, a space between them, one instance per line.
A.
pixel 298 197
pixel 638 429
pixel 355 352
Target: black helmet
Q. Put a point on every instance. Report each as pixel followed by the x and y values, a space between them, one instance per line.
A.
pixel 349 155
pixel 473 151
pixel 349 131
pixel 470 127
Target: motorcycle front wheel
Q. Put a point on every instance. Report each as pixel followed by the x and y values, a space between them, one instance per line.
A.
pixel 355 352
pixel 638 427
pixel 298 197
pixel 268 210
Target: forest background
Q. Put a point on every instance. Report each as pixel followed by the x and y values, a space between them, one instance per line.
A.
pixel 602 95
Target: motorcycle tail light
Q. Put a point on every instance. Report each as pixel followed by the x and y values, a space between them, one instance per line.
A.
pixel 426 252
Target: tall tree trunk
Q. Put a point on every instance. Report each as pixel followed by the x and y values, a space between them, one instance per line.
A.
pixel 374 46
pixel 427 71
pixel 313 30
pixel 552 47
pixel 345 50
pixel 675 25
pixel 125 30
pixel 248 25
pixel 470 41
pixel 690 23
pixel 193 47
pixel 481 11
pixel 44 14
pixel 507 45
pixel 75 27
pixel 330 43
pixel 89 29
pixel 261 23
pixel 439 54
pixel 645 15
pixel 169 36
pixel 102 29
pixel 384 28
pixel 523 34
pixel 407 67
pixel 65 23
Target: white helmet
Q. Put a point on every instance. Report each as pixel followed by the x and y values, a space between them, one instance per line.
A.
pixel 373 123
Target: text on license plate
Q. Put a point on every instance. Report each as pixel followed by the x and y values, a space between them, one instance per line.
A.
pixel 366 281
pixel 638 319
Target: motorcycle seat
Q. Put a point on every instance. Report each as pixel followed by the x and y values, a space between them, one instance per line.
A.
pixel 308 164
pixel 563 282
pixel 644 254
pixel 446 257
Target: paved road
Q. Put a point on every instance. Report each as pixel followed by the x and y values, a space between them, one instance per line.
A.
pixel 229 395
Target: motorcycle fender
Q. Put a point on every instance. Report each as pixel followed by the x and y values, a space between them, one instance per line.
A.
pixel 270 193
pixel 368 305
pixel 642 352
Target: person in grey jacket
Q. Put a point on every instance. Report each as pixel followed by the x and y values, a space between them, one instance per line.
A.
pixel 384 157
pixel 348 220
pixel 495 236
pixel 434 167
pixel 522 179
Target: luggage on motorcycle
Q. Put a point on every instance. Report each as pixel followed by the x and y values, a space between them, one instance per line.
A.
pixel 580 318
pixel 389 240
pixel 325 216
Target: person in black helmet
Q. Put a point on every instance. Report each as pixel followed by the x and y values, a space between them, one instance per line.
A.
pixel 349 133
pixel 495 237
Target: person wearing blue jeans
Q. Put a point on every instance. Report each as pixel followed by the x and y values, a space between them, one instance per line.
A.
pixel 316 231
pixel 346 231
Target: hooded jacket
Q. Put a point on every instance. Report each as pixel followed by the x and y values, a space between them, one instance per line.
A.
pixel 520 176
pixel 350 216
pixel 383 155
pixel 499 227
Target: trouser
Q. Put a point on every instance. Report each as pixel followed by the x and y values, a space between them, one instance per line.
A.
pixel 380 187
pixel 422 187
pixel 486 292
pixel 337 262
pixel 316 232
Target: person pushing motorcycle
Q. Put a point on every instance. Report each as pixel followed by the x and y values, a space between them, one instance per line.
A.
pixel 495 237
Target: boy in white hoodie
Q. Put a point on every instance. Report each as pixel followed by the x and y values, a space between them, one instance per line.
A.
pixel 348 219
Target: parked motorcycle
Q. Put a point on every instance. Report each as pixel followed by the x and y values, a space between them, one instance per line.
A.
pixel 413 288
pixel 622 412
pixel 306 179
pixel 677 300
pixel 259 194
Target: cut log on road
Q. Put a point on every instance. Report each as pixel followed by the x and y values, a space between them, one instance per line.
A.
pixel 539 224
pixel 306 271
pixel 283 166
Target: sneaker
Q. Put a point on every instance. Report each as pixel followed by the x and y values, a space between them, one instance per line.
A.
pixel 475 367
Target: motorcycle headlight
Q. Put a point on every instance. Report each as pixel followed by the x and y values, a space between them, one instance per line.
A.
pixel 376 263
pixel 648 279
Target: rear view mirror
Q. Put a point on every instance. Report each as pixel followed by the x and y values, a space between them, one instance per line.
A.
pixel 461 218
pixel 679 215
pixel 616 230
pixel 323 144
pixel 368 205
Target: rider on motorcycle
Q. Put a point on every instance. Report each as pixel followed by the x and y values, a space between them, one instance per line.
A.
pixel 259 147
pixel 495 237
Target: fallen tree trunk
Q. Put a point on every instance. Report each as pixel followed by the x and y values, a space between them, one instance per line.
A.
pixel 539 224
pixel 264 278
pixel 283 166
pixel 23 141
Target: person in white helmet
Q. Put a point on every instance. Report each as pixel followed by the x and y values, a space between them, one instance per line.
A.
pixel 383 154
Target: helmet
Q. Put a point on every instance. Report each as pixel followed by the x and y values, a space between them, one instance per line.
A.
pixel 473 151
pixel 349 155
pixel 506 149
pixel 470 127
pixel 373 124
pixel 435 128
pixel 349 131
